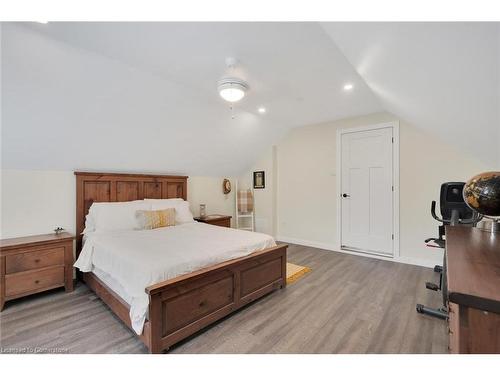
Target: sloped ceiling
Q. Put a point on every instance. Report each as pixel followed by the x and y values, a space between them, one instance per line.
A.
pixel 442 77
pixel 142 96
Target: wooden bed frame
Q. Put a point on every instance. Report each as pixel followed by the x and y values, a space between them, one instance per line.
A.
pixel 183 305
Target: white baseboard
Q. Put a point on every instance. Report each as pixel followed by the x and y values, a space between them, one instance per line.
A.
pixel 326 246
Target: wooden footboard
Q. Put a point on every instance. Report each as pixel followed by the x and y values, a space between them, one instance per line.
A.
pixel 182 306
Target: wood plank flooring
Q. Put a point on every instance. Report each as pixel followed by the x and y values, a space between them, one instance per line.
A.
pixel 347 304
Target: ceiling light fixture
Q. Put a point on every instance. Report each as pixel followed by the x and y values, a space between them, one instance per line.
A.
pixel 44 22
pixel 232 89
pixel 348 86
pixel 261 110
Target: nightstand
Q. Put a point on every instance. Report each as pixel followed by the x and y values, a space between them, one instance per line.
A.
pixel 34 264
pixel 219 220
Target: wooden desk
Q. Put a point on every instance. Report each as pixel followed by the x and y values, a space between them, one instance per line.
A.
pixel 473 276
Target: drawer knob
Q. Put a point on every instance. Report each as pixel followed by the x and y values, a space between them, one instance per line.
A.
pixel 37 260
pixel 37 281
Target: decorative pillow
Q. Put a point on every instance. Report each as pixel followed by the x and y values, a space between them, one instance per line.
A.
pixel 183 214
pixel 155 218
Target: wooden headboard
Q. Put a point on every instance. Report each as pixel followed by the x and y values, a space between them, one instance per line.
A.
pixel 118 187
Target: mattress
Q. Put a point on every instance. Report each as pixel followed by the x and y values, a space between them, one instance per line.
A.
pixel 130 261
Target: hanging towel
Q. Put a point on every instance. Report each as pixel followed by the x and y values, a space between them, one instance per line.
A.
pixel 245 201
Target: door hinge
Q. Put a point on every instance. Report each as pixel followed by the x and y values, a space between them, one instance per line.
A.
pixel 392 139
pixel 393 188
pixel 392 236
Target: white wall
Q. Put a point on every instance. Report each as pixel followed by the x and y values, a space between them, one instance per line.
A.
pixel 208 190
pixel 35 202
pixel 306 184
pixel 425 163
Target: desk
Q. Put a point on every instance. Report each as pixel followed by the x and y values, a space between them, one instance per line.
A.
pixel 473 276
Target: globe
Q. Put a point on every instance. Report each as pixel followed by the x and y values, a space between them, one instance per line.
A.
pixel 482 193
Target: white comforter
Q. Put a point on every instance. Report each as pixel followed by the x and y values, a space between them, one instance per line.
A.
pixel 139 258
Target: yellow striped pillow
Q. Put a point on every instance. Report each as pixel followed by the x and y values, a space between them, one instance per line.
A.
pixel 156 219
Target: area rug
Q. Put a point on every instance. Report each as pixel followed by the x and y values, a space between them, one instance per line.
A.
pixel 295 272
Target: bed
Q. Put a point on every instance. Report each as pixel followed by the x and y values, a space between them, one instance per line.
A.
pixel 219 270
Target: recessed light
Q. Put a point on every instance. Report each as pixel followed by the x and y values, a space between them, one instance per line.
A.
pixel 261 110
pixel 348 86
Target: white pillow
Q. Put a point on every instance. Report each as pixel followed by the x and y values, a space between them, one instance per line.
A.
pixel 167 203
pixel 113 216
pixel 183 214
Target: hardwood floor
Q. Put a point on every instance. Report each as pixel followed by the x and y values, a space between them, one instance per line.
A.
pixel 347 304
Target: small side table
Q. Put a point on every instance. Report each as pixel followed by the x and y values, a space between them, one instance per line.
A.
pixel 33 264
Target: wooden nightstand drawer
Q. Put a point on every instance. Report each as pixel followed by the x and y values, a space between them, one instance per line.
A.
pixel 222 223
pixel 219 220
pixel 30 281
pixel 39 258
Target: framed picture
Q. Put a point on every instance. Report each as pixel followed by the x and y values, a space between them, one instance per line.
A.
pixel 259 180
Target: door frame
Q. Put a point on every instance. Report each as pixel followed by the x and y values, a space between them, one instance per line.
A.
pixel 395 178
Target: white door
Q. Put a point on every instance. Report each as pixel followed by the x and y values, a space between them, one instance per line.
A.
pixel 367 191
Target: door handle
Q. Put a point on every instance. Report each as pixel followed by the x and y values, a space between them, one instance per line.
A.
pixel 345 195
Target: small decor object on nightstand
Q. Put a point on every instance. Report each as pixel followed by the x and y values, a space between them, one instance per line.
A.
pixel 259 180
pixel 226 186
pixel 58 230
pixel 203 210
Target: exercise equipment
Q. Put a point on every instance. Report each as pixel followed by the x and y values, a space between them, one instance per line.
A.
pixel 454 211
